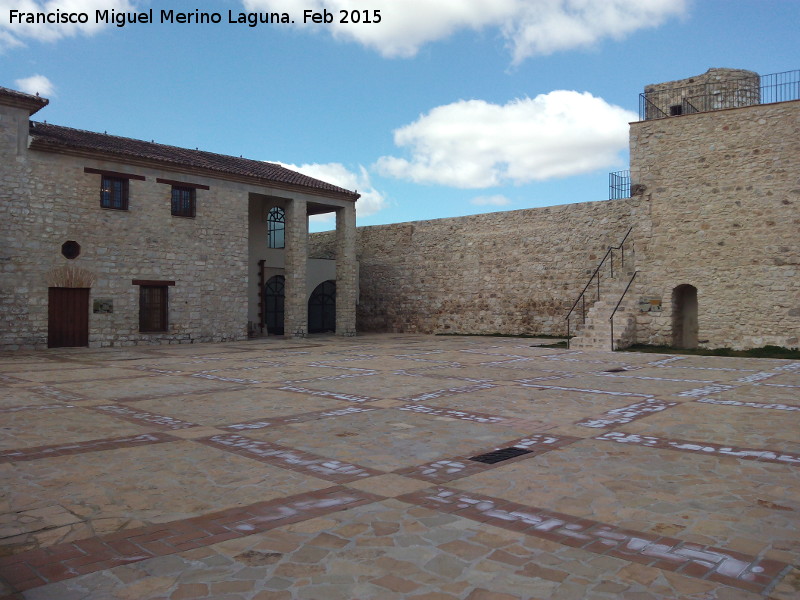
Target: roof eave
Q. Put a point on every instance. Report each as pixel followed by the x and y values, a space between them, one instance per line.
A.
pixel 56 148
pixel 32 104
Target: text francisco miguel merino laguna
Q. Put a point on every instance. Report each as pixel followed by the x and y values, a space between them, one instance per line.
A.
pixel 251 19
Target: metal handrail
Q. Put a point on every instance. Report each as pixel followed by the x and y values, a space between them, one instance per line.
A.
pixel 745 90
pixel 611 318
pixel 582 295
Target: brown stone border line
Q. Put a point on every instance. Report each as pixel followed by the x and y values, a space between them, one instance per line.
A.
pixel 473 387
pixel 475 417
pixel 325 394
pixel 284 457
pixel 449 469
pixel 38 452
pixel 36 568
pixel 53 393
pixel 626 414
pixel 298 418
pixel 671 554
pixel 703 448
pixel 11 380
pixel 224 390
pixel 141 417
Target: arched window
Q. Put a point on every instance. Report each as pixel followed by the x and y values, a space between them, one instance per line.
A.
pixel 276 227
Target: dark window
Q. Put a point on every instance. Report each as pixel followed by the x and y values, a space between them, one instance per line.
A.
pixel 71 249
pixel 153 308
pixel 114 193
pixel 675 110
pixel 274 304
pixel 183 201
pixel 276 227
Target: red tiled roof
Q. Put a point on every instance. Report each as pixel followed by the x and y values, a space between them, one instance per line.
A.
pixel 54 137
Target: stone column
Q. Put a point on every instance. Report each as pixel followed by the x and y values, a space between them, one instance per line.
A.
pixel 346 283
pixel 295 320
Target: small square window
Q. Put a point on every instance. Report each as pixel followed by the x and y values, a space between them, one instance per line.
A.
pixel 183 201
pixel 114 193
pixel 675 110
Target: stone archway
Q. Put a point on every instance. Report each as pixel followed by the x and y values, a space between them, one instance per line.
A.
pixel 322 308
pixel 684 316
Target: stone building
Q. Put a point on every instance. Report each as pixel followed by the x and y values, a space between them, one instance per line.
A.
pixel 702 249
pixel 114 241
pixel 712 219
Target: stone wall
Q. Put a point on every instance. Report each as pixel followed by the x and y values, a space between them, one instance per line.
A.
pixel 717 208
pixel 515 272
pixel 724 191
pixel 46 199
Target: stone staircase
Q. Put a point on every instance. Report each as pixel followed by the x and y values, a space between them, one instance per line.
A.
pixel 595 334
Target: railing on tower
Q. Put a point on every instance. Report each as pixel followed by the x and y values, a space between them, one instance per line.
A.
pixel 619 185
pixel 609 256
pixel 717 95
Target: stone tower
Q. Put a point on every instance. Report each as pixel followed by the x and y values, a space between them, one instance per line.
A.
pixel 713 90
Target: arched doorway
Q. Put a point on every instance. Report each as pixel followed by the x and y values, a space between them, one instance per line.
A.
pixel 684 316
pixel 322 308
pixel 273 304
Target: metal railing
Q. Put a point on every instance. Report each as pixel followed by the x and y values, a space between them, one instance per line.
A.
pixel 717 95
pixel 619 185
pixel 596 277
pixel 611 318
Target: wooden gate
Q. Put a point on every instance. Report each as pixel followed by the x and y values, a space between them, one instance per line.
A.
pixel 67 317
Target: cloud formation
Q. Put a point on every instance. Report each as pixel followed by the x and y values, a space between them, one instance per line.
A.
pixel 17 34
pixel 496 200
pixel 475 144
pixel 36 84
pixel 530 27
pixel 371 200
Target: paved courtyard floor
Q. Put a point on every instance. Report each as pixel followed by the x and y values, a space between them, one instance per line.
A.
pixel 397 467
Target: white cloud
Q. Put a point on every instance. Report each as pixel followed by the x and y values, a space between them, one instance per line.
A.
pixel 36 84
pixel 371 200
pixel 530 27
pixel 15 34
pixel 475 144
pixel 496 200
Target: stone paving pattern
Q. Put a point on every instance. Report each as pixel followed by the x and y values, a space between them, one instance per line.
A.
pixel 343 468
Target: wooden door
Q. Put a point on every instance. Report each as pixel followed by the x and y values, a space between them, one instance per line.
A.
pixel 67 317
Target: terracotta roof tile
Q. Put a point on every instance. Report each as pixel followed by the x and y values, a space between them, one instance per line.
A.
pixel 54 137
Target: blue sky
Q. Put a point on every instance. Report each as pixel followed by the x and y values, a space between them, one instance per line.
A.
pixel 444 108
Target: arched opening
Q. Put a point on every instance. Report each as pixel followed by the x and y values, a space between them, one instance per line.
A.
pixel 322 308
pixel 684 316
pixel 273 304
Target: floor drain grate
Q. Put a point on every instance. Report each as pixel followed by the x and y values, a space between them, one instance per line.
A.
pixel 497 456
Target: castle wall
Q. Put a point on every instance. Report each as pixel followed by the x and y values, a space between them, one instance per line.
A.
pixel 510 272
pixel 724 192
pixel 719 211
